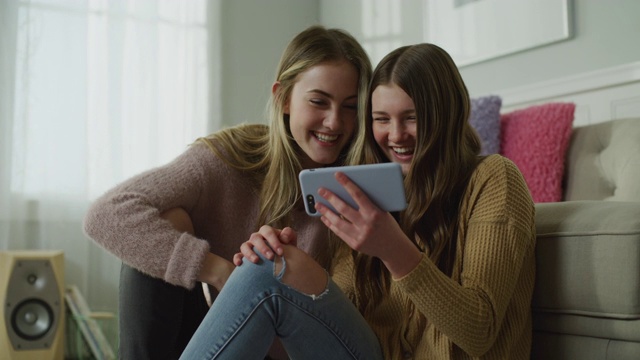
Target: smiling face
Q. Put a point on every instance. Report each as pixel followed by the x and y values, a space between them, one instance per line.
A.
pixel 394 124
pixel 322 109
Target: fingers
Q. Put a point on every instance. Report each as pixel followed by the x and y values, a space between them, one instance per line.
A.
pixel 339 224
pixel 356 193
pixel 237 259
pixel 289 236
pixel 266 241
pixel 247 251
pixel 270 240
pixel 334 222
pixel 357 228
pixel 347 212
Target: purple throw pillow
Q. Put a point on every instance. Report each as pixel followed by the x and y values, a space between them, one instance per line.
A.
pixel 485 119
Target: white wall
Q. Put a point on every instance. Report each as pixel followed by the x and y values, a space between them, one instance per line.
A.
pixel 605 34
pixel 253 35
pixel 380 25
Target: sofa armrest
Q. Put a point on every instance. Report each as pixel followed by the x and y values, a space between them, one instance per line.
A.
pixel 588 258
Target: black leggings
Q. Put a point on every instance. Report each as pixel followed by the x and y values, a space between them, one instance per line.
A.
pixel 156 319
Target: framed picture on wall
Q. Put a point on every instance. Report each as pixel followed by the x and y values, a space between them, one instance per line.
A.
pixel 477 30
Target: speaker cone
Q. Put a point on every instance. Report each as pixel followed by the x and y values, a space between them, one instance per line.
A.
pixel 32 319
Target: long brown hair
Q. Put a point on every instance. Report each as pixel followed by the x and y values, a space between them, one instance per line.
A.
pixel 270 154
pixel 446 153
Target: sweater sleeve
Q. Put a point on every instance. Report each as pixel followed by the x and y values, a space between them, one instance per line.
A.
pixel 126 220
pixel 498 240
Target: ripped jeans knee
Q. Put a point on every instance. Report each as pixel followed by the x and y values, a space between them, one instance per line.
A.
pixel 301 273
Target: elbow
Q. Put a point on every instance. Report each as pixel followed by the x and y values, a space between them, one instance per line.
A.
pixel 479 342
pixel 478 350
pixel 97 221
pixel 91 221
pixel 480 347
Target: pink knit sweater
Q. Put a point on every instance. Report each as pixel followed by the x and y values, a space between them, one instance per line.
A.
pixel 223 205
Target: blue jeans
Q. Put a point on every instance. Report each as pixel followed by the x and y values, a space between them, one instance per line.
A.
pixel 255 306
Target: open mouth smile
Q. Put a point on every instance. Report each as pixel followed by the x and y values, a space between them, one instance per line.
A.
pixel 406 150
pixel 325 138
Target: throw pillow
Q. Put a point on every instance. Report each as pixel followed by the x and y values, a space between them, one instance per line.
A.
pixel 485 119
pixel 536 140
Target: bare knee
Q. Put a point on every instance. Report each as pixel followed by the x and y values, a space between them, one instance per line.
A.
pixel 301 271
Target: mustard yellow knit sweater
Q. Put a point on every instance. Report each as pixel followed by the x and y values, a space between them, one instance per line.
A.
pixel 483 310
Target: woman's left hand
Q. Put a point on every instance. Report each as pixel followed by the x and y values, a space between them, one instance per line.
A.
pixel 369 230
pixel 266 240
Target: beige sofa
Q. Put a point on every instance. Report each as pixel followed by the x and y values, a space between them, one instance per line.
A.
pixel 586 303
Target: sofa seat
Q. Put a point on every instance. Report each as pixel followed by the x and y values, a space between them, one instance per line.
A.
pixel 586 301
pixel 586 258
pixel 585 292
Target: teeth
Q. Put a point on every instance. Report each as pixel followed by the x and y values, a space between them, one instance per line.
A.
pixel 325 137
pixel 403 150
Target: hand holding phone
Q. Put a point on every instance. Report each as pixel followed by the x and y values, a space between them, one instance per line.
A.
pixel 382 183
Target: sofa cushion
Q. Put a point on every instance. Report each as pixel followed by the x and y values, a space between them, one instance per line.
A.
pixel 603 162
pixel 552 346
pixel 536 140
pixel 588 269
pixel 485 119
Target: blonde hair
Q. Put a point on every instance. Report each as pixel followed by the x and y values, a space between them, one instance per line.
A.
pixel 445 156
pixel 270 154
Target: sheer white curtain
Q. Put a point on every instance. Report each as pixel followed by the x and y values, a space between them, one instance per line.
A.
pixel 93 92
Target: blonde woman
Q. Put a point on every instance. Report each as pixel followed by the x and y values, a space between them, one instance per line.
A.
pixel 180 224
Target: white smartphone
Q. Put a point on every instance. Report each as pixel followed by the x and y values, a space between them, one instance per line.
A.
pixel 382 183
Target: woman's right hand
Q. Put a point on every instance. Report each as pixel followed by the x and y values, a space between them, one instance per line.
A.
pixel 266 240
pixel 368 229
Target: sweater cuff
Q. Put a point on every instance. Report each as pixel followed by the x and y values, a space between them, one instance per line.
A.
pixel 186 261
pixel 417 272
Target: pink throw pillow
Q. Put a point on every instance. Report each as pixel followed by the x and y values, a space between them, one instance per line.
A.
pixel 536 140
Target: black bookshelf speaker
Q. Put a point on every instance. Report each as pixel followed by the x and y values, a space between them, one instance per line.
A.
pixel 32 294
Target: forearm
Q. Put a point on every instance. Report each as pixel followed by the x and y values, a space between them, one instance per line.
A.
pixel 401 259
pixel 471 311
pixel 125 220
pixel 215 271
pixel 128 226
